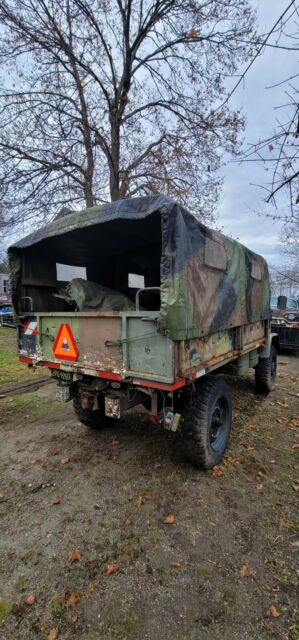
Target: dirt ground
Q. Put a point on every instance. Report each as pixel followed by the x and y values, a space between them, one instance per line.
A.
pixel 226 569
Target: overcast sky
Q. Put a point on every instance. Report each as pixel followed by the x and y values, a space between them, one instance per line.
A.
pixel 240 200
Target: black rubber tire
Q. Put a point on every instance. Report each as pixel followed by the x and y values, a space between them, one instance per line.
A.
pixel 206 425
pixel 265 372
pixel 93 419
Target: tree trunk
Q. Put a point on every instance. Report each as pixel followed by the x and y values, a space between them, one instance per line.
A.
pixel 115 154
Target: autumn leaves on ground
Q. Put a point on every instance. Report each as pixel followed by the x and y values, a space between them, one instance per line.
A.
pixel 110 535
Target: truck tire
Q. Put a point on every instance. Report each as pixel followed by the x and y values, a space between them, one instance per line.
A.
pixel 265 372
pixel 93 419
pixel 207 421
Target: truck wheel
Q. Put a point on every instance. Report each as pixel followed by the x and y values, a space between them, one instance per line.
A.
pixel 93 419
pixel 207 423
pixel 265 372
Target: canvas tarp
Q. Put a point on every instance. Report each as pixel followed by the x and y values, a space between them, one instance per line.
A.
pixel 209 282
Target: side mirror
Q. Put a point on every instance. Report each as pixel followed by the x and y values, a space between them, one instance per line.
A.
pixel 282 303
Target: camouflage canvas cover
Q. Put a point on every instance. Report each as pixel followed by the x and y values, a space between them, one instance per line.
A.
pixel 209 282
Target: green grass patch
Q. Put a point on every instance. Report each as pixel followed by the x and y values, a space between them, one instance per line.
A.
pixel 26 406
pixel 11 370
pixel 4 610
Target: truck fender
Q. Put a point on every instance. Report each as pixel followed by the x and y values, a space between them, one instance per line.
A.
pixel 271 339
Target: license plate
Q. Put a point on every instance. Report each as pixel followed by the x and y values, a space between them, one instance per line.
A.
pixel 66 376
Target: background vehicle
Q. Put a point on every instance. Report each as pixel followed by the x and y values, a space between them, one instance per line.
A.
pixel 149 305
pixel 285 321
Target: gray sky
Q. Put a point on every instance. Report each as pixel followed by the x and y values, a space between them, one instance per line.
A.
pixel 240 200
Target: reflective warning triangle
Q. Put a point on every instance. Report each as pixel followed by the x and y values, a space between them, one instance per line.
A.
pixel 65 347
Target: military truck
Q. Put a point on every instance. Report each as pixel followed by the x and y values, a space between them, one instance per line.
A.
pixel 137 302
pixel 285 321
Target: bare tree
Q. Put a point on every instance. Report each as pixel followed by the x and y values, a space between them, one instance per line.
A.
pixel 278 153
pixel 105 99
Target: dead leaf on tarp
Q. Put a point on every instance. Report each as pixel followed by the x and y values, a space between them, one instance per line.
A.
pixel 73 600
pixel 55 500
pixel 30 600
pixel 175 565
pixel 217 472
pixel 274 612
pixel 65 461
pixel 169 519
pixel 246 572
pixel 53 633
pixel 111 568
pixel 74 555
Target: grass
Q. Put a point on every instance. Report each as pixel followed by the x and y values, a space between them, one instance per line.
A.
pixel 27 406
pixel 11 370
pixel 4 610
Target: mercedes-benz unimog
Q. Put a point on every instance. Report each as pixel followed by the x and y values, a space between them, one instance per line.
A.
pixel 137 302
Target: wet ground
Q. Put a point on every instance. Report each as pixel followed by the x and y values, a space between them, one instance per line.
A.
pixel 85 550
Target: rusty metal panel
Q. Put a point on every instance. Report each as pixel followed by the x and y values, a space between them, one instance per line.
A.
pixel 204 354
pixel 97 337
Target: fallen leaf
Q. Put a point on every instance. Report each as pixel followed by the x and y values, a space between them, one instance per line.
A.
pixel 281 375
pixel 73 600
pixel 114 442
pixel 65 461
pixel 111 568
pixel 30 600
pixel 246 571
pixel 169 519
pixel 33 462
pixel 293 423
pixel 175 564
pixel 270 147
pixel 273 611
pixel 251 426
pixel 269 626
pixel 138 502
pixel 55 501
pixel 157 466
pixel 217 472
pixel 247 444
pixel 234 460
pixel 295 446
pixel 53 634
pixel 259 487
pixel 72 619
pixel 295 487
pixel 282 404
pixel 74 555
